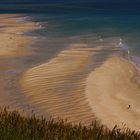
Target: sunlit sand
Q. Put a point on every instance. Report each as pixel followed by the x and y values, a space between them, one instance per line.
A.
pixel 110 90
pixel 58 87
pixel 82 83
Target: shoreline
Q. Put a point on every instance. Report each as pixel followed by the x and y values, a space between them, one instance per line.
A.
pixel 76 57
pixel 62 80
pixel 12 45
pixel 110 90
pixel 43 85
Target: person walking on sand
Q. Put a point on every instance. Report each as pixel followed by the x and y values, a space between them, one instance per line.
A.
pixel 120 43
pixel 128 53
pixel 129 106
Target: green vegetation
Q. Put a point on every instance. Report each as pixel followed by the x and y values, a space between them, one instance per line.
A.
pixel 15 127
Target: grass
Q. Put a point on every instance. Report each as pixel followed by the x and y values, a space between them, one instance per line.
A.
pixel 13 126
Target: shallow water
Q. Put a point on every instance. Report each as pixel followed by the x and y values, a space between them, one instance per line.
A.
pixel 114 32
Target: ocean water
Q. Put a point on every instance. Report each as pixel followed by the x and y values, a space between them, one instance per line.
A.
pixel 61 26
pixel 102 20
pixel 87 23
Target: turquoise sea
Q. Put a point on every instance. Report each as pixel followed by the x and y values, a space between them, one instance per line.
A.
pixel 70 20
pixel 87 21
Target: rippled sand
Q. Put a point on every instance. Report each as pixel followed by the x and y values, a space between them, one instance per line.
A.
pixel 110 89
pixel 58 87
pixel 82 83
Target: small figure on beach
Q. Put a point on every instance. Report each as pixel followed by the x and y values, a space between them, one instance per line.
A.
pixel 128 52
pixel 120 43
pixel 129 106
pixel 129 57
pixel 100 39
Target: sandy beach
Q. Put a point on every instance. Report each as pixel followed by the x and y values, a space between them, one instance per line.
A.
pixel 12 41
pixel 12 45
pixel 45 84
pixel 104 88
pixel 57 87
pixel 110 90
pixel 81 83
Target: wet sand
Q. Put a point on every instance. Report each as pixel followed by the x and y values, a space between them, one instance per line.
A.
pixel 11 29
pixel 57 88
pixel 53 87
pixel 110 89
pixel 12 45
pixel 82 83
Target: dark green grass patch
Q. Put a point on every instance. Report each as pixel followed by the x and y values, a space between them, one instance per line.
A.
pixel 13 126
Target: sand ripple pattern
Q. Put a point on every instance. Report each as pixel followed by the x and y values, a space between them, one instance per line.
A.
pixel 57 87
